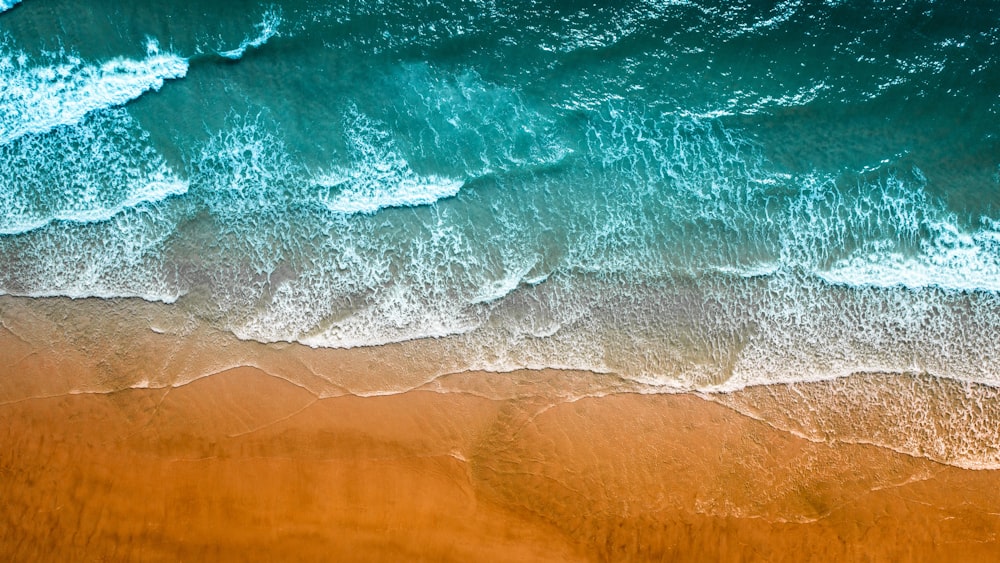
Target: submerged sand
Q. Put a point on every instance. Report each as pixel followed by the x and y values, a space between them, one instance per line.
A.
pixel 245 465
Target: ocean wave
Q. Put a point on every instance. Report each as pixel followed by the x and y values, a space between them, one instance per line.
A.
pixel 884 235
pixel 888 233
pixel 122 256
pixel 468 123
pixel 954 260
pixel 266 29
pixel 379 177
pixel 151 192
pixel 504 286
pixel 700 197
pixel 648 195
pixel 37 99
pixel 779 14
pixel 82 173
pixel 8 4
pixel 368 190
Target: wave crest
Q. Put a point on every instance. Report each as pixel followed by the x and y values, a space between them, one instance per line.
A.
pixel 38 98
pixel 266 29
pixel 380 177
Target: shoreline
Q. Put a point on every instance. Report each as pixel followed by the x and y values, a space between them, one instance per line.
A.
pixel 242 465
pixel 531 465
pixel 100 346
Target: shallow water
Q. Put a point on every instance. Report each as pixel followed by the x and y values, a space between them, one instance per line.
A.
pixel 694 195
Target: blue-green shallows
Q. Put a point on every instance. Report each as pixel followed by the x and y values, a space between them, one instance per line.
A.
pixel 692 193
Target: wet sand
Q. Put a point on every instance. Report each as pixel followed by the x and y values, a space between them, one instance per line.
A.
pixel 244 465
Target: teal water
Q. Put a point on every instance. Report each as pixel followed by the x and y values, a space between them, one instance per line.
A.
pixel 692 194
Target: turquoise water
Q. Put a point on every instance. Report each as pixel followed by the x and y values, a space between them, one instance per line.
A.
pixel 690 194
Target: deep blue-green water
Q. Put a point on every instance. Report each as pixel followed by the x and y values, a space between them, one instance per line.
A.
pixel 689 193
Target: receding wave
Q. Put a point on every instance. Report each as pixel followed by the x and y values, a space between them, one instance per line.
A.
pixel 84 172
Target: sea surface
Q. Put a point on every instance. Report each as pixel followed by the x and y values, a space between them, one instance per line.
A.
pixel 693 195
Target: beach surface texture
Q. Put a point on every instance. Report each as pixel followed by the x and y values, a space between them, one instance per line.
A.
pixel 452 280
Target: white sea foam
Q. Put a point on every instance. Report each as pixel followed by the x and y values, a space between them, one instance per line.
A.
pixel 780 14
pixel 86 203
pixel 266 29
pixel 884 231
pixel 8 4
pixel 85 289
pixel 85 172
pixel 966 265
pixel 154 191
pixel 314 277
pixel 120 257
pixel 679 200
pixel 37 98
pixel 366 191
pixel 499 288
pixel 904 238
pixel 378 176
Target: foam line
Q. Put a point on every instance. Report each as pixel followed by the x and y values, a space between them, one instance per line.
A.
pixel 82 173
pixel 37 99
pixel 152 192
pixel 379 177
pixel 363 195
pixel 267 29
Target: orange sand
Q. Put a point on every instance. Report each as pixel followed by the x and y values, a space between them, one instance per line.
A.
pixel 244 466
pixel 247 466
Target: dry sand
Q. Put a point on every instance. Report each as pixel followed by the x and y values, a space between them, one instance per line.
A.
pixel 245 466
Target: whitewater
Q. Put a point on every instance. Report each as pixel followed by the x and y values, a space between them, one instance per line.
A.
pixel 692 195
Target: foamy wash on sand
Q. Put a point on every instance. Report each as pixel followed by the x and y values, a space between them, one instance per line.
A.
pixel 692 195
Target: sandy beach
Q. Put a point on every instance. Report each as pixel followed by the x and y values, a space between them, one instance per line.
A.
pixel 465 280
pixel 245 465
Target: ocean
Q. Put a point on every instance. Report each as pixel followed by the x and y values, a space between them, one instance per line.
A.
pixel 690 195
